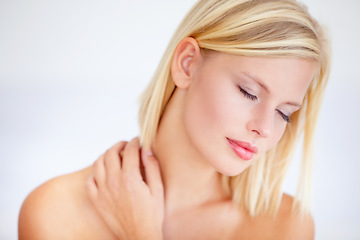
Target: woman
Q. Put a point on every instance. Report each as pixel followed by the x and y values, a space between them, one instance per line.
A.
pixel 239 84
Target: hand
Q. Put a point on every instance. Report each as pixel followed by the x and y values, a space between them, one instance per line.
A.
pixel 131 207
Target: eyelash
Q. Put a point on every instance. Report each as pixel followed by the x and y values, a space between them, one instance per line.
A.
pixel 253 98
pixel 285 117
pixel 247 95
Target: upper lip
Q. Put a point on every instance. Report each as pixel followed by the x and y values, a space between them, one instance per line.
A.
pixel 248 146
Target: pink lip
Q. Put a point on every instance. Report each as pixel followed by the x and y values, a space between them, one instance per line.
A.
pixel 244 150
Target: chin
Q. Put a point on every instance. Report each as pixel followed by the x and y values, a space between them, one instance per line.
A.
pixel 231 172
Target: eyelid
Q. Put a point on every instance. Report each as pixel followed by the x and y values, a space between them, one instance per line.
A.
pixel 247 94
pixel 252 97
pixel 284 116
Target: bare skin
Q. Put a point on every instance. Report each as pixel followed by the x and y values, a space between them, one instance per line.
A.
pixel 195 204
pixel 62 209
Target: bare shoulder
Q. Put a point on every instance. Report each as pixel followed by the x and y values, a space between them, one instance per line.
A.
pixel 284 225
pixel 290 225
pixel 61 209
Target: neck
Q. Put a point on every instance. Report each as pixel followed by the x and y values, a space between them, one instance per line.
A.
pixel 189 180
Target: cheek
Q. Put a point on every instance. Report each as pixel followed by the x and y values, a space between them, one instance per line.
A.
pixel 203 111
pixel 275 138
pixel 208 115
pixel 216 107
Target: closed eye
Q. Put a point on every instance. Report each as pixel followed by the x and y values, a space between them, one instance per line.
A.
pixel 284 116
pixel 247 95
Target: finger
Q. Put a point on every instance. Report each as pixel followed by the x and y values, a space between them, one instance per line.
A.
pixel 131 158
pixel 113 159
pixel 153 175
pixel 91 187
pixel 99 172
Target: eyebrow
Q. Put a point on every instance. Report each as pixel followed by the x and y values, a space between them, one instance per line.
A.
pixel 263 86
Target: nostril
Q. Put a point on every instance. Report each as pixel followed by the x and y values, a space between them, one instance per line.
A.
pixel 261 126
pixel 256 131
pixel 261 132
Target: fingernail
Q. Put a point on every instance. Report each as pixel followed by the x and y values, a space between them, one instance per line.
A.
pixel 145 154
pixel 148 152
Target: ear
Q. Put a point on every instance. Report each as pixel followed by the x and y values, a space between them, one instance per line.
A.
pixel 187 54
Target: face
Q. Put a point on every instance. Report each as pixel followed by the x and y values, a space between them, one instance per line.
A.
pixel 237 108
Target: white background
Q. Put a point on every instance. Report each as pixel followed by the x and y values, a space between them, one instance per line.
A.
pixel 71 72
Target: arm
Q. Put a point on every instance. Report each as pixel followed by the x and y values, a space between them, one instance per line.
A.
pixel 131 207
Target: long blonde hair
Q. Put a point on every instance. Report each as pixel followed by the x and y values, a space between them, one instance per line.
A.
pixel 265 28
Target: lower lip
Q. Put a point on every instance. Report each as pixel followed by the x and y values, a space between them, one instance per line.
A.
pixel 243 153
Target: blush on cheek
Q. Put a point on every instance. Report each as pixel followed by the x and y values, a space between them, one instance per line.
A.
pixel 204 108
pixel 277 136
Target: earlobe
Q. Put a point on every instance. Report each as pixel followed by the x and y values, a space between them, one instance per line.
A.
pixel 186 56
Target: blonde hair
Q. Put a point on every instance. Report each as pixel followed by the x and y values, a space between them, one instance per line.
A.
pixel 265 28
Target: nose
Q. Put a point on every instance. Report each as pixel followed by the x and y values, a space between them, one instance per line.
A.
pixel 261 124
